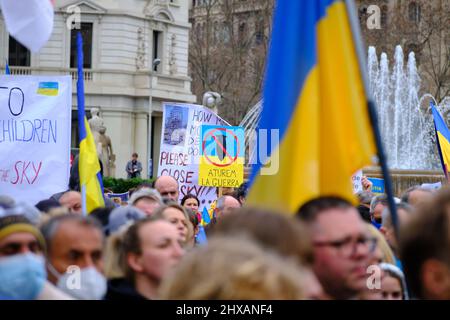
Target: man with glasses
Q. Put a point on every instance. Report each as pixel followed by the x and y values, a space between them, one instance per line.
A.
pixel 342 246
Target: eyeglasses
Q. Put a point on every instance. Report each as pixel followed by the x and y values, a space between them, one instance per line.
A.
pixel 347 247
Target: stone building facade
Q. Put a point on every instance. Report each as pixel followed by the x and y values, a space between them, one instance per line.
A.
pixel 123 39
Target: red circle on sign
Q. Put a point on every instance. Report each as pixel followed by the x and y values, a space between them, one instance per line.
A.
pixel 211 133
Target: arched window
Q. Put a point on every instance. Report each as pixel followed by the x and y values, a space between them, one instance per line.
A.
pixel 414 11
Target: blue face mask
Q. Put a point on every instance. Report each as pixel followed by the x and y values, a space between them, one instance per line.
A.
pixel 22 276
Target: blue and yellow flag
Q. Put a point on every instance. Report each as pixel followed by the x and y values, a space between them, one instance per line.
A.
pixel 314 96
pixel 442 139
pixel 89 166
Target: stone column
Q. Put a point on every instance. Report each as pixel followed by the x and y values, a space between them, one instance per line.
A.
pixel 141 141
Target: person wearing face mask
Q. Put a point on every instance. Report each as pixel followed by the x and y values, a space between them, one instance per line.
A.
pixel 150 248
pixel 22 266
pixel 75 256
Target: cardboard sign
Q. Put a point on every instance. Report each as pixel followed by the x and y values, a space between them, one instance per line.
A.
pixel 222 156
pixel 35 128
pixel 180 147
pixel 356 182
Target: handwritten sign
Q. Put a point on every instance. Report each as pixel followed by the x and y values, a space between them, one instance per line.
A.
pixel 35 127
pixel 356 181
pixel 180 147
pixel 222 156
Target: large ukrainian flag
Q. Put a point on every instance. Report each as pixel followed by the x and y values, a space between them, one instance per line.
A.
pixel 442 140
pixel 314 95
pixel 89 166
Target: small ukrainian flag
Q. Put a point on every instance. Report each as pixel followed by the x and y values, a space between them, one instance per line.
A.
pixel 48 88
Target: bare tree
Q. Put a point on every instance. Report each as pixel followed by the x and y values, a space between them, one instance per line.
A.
pixel 420 26
pixel 228 49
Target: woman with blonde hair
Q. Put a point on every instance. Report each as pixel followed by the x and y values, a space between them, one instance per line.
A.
pixel 233 269
pixel 177 215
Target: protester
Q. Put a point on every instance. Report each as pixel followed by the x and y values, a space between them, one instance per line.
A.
pixel 102 215
pixel 241 193
pixel 386 254
pixel 190 201
pixel 193 229
pixel 123 217
pixel 377 206
pixel 425 248
pixel 46 205
pixel 233 269
pixel 176 215
pixel 146 200
pixel 22 266
pixel 134 167
pixel 276 232
pixel 167 187
pixel 150 248
pixel 393 284
pixel 342 247
pixel 416 195
pixel 75 244
pixel 404 213
pixel 225 205
pixel 364 199
pixel 72 201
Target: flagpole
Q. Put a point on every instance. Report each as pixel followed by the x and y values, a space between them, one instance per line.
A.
pixel 354 25
pixel 81 112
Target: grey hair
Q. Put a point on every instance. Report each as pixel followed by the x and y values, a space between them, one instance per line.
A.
pixel 365 197
pixel 50 228
pixel 376 200
pixel 386 220
pixel 407 193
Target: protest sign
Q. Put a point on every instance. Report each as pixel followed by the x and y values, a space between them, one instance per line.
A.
pixel 222 156
pixel 180 147
pixel 35 127
pixel 356 181
pixel 118 198
pixel 377 185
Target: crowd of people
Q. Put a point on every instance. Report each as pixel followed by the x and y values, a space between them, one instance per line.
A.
pixel 159 246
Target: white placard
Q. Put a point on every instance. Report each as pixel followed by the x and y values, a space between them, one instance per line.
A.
pixel 180 147
pixel 356 181
pixel 35 128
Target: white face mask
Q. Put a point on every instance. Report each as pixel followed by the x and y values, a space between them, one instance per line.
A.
pixel 84 284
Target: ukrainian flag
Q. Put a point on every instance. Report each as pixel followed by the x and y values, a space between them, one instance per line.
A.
pixel 442 139
pixel 48 88
pixel 89 166
pixel 314 95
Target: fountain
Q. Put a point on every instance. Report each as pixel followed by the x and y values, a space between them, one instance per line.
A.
pixel 405 120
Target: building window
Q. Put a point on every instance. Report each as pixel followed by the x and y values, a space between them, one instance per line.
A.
pixel 86 33
pixel 259 31
pixel 157 49
pixel 414 12
pixel 18 55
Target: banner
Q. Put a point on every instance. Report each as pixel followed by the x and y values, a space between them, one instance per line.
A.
pixel 118 198
pixel 222 159
pixel 180 147
pixel 377 185
pixel 35 127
